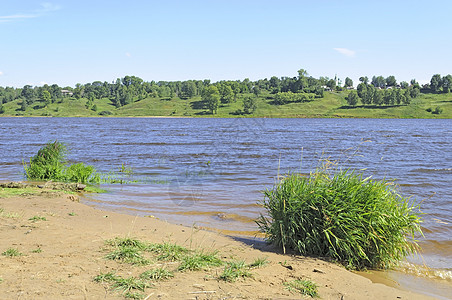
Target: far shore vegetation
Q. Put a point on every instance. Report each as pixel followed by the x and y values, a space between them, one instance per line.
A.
pixel 297 96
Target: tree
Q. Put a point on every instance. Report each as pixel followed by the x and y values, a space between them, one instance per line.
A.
pixel 391 81
pixel 256 91
pixel 415 84
pixel 211 97
pixel 435 83
pixel 227 94
pixel 446 83
pixel 378 97
pixel 352 98
pixel 331 84
pixel 368 96
pixel 2 109
pixel 188 89
pixel 378 81
pixel 404 85
pixel 414 91
pixel 28 94
pixel 362 89
pixel 364 79
pixel 249 104
pixel 45 95
pixel 348 82
pixel 407 97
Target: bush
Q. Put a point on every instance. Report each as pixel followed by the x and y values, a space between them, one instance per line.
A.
pixel 359 222
pixel 438 110
pixel 50 164
pixel 81 173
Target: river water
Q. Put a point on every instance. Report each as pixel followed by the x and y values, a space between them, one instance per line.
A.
pixel 211 172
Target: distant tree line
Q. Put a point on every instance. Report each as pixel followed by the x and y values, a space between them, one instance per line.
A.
pixel 283 90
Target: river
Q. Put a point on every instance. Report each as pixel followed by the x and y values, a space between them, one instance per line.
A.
pixel 211 172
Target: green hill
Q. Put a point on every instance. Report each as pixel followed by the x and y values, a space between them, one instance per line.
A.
pixel 332 105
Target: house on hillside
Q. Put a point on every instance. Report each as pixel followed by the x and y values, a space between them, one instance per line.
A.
pixel 66 93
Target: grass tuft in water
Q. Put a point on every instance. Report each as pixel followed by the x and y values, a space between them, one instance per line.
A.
pixel 361 223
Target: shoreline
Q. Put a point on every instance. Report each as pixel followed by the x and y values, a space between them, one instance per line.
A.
pixel 72 238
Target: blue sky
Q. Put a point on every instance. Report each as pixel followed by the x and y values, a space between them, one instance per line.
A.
pixel 69 42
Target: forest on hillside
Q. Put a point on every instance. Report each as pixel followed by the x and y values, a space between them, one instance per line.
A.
pixel 379 91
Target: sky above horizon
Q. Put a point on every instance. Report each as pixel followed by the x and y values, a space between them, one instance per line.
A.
pixel 69 42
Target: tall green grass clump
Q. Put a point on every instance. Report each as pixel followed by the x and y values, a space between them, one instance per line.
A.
pixel 50 164
pixel 361 223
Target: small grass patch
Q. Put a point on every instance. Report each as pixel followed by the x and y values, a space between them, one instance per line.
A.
pixel 157 274
pixel 38 250
pixel 37 218
pixel 258 262
pixel 304 287
pixel 128 250
pixel 128 254
pixel 10 252
pixel 235 270
pixel 13 192
pixel 168 251
pixel 199 261
pixel 72 214
pixel 127 286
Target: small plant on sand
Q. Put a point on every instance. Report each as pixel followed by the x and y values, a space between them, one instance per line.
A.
pixel 37 218
pixel 304 287
pixel 157 274
pixel 10 252
pixel 359 222
pixel 126 286
pixel 128 254
pixel 38 250
pixel 235 270
pixel 168 251
pixel 258 262
pixel 200 260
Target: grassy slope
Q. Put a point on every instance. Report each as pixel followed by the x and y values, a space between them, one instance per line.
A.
pixel 332 105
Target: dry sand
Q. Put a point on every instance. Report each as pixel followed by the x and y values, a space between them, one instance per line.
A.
pixel 72 253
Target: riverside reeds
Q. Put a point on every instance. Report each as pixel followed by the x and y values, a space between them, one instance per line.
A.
pixel 361 223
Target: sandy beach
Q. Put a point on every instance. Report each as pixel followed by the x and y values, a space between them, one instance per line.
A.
pixel 62 243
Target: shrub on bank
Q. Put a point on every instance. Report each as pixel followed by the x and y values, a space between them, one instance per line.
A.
pixel 50 164
pixel 361 223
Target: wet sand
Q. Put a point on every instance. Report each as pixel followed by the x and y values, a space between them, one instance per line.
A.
pixel 72 240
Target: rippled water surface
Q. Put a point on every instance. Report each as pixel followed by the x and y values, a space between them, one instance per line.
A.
pixel 211 172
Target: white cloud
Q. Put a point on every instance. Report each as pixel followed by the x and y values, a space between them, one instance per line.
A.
pixel 345 51
pixel 4 19
pixel 128 54
pixel 48 7
pixel 45 8
pixel 1 73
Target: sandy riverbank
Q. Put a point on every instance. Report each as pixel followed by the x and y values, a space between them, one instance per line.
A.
pixel 72 238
